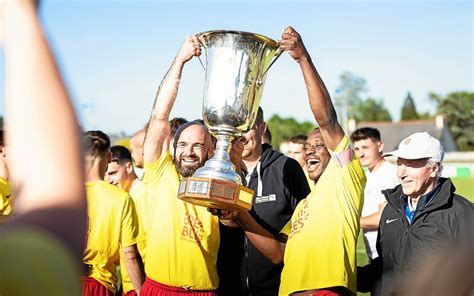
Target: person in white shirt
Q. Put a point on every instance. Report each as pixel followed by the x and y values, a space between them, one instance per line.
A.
pixel 381 175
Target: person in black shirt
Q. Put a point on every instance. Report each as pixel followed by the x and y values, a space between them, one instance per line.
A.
pixel 279 183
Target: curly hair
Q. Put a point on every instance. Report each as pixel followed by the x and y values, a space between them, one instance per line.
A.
pixel 96 144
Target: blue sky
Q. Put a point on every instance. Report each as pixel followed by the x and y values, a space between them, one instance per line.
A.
pixel 113 54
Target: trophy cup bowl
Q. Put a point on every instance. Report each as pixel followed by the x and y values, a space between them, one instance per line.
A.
pixel 236 67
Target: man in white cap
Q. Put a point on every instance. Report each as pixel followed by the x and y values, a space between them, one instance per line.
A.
pixel 423 215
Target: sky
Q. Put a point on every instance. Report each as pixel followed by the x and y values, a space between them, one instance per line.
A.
pixel 113 54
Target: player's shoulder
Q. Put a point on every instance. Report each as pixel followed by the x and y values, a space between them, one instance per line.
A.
pixel 114 192
pixel 388 166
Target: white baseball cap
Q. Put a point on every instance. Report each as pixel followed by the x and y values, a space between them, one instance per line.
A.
pixel 417 146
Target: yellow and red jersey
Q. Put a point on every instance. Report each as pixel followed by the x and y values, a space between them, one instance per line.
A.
pixel 138 194
pixel 322 233
pixel 113 225
pixel 182 239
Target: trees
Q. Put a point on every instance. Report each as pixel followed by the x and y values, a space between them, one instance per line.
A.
pixel 349 94
pixel 351 101
pixel 371 110
pixel 458 109
pixel 351 90
pixel 284 128
pixel 409 109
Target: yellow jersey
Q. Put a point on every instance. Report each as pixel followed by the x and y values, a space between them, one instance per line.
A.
pixel 322 233
pixel 311 183
pixel 6 199
pixel 182 239
pixel 137 192
pixel 112 226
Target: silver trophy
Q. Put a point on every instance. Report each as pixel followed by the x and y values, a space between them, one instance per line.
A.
pixel 236 68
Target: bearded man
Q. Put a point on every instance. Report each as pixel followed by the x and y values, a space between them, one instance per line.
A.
pixel 182 239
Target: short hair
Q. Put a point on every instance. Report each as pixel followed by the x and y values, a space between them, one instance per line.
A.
pixel 120 154
pixel 96 144
pixel 431 163
pixel 298 139
pixel 184 126
pixel 366 133
pixel 175 123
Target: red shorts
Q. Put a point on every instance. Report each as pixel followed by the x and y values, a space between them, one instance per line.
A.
pixel 152 288
pixel 325 293
pixel 331 291
pixel 130 293
pixel 334 291
pixel 91 287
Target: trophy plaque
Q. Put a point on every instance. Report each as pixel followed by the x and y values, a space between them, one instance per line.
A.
pixel 236 67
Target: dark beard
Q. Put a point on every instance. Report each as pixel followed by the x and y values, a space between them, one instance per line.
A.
pixel 187 171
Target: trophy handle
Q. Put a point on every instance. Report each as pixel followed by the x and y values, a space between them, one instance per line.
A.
pixel 197 35
pixel 202 63
pixel 278 53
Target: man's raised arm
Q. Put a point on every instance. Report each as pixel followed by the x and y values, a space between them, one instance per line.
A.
pixel 41 130
pixel 319 99
pixel 158 135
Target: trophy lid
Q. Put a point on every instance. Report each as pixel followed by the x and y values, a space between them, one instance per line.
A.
pixel 206 35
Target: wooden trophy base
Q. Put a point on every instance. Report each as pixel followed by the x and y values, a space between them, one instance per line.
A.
pixel 216 194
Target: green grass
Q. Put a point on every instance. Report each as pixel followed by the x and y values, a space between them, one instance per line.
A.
pixel 465 187
pixel 362 258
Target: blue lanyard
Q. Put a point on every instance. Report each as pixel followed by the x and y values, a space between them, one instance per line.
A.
pixel 409 214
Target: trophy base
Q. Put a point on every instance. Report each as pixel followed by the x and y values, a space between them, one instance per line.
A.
pixel 215 193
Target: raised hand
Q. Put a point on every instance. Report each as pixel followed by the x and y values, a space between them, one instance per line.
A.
pixel 291 42
pixel 190 48
pixel 157 136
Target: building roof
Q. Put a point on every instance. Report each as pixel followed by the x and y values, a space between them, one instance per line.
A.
pixel 393 133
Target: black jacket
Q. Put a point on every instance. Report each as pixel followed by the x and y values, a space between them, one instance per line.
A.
pixel 444 221
pixel 283 186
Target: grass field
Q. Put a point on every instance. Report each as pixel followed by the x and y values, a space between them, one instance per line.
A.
pixel 464 187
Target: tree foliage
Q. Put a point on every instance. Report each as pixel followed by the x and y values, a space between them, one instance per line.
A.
pixel 352 102
pixel 458 110
pixel 351 89
pixel 371 110
pixel 425 115
pixel 409 109
pixel 284 128
pixel 349 94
